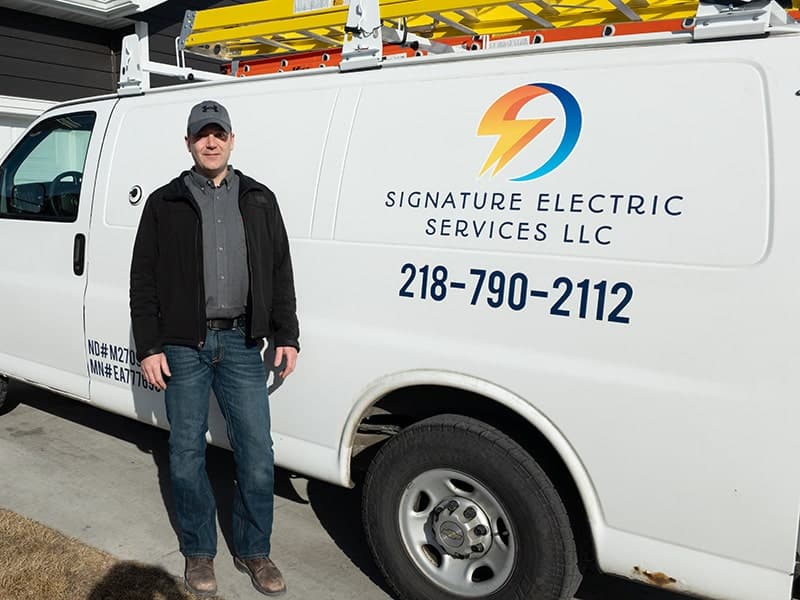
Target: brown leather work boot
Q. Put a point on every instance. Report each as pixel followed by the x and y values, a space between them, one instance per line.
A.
pixel 199 576
pixel 266 577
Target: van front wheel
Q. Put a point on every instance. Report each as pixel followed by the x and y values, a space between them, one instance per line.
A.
pixel 455 509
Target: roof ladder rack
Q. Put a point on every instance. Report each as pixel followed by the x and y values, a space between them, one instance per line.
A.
pixel 136 66
pixel 273 27
pixel 273 36
pixel 740 18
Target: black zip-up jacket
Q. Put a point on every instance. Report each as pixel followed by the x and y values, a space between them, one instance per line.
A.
pixel 167 294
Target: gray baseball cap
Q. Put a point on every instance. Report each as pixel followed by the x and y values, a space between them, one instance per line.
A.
pixel 206 113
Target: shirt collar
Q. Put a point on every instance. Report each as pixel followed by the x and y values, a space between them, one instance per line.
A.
pixel 202 181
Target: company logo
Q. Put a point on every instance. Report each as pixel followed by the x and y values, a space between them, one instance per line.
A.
pixel 451 534
pixel 514 135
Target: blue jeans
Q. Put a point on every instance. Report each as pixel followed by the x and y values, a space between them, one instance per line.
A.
pixel 231 365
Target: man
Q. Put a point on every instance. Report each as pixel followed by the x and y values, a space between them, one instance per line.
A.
pixel 211 277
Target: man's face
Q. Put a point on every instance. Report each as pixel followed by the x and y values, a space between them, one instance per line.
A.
pixel 211 149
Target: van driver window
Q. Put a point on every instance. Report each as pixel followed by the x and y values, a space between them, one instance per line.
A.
pixel 41 178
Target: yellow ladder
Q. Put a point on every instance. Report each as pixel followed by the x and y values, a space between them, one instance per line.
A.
pixel 271 27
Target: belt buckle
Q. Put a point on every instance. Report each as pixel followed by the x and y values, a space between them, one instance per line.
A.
pixel 224 324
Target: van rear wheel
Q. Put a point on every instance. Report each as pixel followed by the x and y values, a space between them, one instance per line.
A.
pixel 455 509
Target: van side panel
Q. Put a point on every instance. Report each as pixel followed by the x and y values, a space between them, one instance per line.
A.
pixel 637 294
pixel 267 147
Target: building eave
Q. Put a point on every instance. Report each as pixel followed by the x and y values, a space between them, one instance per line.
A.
pixel 28 107
pixel 109 14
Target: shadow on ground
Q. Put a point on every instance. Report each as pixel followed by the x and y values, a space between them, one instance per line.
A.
pixel 339 512
pixel 134 581
pixel 337 509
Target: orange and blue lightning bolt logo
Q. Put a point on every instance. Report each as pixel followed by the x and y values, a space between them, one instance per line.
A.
pixel 514 135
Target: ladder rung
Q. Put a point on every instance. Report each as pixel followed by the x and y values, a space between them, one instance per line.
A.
pixel 275 43
pixel 319 37
pixel 532 16
pixel 455 25
pixel 626 10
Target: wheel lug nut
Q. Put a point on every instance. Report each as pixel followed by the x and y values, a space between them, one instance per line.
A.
pixel 480 530
pixel 469 513
pixel 452 506
pixel 477 548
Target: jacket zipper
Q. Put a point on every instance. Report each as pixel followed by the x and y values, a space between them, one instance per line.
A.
pixel 198 242
pixel 247 249
pixel 201 285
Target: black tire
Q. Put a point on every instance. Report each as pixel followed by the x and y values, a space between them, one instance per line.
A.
pixel 536 545
pixel 6 404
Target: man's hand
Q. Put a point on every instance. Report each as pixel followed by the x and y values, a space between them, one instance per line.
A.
pixel 154 367
pixel 288 352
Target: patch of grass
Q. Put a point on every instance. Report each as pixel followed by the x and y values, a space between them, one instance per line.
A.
pixel 39 563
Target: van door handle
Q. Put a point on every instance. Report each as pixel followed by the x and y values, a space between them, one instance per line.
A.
pixel 78 251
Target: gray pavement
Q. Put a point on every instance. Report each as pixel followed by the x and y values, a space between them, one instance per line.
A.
pixel 102 479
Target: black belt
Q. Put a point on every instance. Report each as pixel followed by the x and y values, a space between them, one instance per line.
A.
pixel 223 324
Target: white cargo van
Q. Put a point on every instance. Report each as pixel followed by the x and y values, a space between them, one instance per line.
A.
pixel 558 286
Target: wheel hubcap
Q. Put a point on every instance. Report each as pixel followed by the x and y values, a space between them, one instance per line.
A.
pixel 461 528
pixel 457 532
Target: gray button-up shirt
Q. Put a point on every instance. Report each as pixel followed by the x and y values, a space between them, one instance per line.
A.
pixel 224 250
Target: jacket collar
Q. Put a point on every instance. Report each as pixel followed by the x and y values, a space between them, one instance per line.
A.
pixel 248 184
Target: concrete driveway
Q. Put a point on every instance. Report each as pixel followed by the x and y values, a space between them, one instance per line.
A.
pixel 103 479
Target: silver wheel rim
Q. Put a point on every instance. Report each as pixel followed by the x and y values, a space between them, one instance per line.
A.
pixel 469 550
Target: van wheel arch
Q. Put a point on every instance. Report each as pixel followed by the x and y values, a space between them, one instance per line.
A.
pixel 402 408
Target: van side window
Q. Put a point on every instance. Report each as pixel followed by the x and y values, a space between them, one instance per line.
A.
pixel 41 178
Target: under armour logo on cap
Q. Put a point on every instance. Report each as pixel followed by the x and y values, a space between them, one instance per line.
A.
pixel 205 113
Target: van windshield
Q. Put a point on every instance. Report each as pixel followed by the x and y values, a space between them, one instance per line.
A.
pixel 41 178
